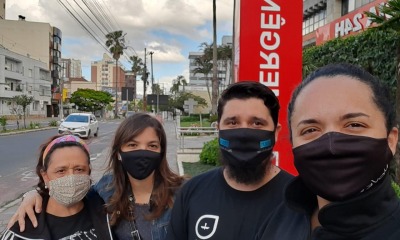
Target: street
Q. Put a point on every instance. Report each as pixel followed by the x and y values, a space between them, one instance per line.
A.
pixel 19 155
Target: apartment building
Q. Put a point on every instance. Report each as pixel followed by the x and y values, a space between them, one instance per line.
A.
pixel 39 41
pixel 22 75
pixel 104 74
pixel 71 68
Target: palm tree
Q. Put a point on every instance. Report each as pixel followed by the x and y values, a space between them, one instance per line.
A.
pixel 389 19
pixel 137 68
pixel 225 54
pixel 204 66
pixel 179 81
pixel 215 66
pixel 116 43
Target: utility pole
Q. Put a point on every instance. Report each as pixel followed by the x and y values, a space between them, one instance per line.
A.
pixel 116 89
pixel 144 78
pixel 152 76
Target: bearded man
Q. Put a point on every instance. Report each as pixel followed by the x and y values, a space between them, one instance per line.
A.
pixel 233 201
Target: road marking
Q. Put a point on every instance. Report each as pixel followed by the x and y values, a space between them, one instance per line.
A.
pixel 93 158
pixel 27 175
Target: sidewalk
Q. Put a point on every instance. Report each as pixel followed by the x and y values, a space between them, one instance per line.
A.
pixel 99 164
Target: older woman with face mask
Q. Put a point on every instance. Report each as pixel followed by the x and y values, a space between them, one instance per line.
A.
pixel 64 181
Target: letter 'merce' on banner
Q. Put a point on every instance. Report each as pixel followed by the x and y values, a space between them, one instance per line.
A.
pixel 268 49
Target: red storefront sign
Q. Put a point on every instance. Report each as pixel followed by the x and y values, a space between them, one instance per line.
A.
pixel 349 24
pixel 268 49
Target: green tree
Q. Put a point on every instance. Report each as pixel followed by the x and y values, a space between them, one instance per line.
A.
pixel 177 83
pixel 205 62
pixel 225 54
pixel 137 69
pixel 388 19
pixel 90 100
pixel 157 89
pixel 204 66
pixel 116 43
pixel 23 101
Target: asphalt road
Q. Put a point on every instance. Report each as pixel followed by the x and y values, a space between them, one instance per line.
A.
pixel 18 157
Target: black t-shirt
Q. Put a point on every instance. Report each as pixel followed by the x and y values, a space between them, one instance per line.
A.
pixel 78 226
pixel 208 208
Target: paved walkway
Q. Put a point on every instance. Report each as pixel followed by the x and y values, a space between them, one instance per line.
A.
pixel 173 145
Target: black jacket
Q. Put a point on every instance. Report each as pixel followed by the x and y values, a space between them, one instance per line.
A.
pixel 373 215
pixel 96 211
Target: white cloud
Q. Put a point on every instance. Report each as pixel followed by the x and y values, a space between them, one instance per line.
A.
pixel 170 28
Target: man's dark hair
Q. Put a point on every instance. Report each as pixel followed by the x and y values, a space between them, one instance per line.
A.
pixel 246 90
pixel 380 92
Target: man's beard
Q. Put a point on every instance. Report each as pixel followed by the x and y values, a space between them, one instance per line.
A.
pixel 248 175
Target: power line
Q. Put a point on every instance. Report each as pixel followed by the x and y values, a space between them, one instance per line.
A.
pixel 104 14
pixel 95 15
pixel 89 17
pixel 83 26
pixel 115 21
pixel 99 16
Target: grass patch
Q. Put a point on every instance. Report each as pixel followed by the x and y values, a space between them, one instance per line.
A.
pixel 195 123
pixel 193 169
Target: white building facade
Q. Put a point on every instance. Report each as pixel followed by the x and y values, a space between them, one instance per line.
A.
pixel 21 75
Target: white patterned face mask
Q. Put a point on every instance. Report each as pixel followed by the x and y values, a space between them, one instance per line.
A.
pixel 70 189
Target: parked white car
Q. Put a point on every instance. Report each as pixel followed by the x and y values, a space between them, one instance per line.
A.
pixel 82 124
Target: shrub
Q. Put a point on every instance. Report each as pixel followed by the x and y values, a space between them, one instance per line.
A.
pixel 3 122
pixel 53 123
pixel 396 188
pixel 213 118
pixel 210 153
pixel 190 118
pixel 33 125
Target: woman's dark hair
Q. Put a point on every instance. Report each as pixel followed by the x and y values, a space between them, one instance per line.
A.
pixel 43 164
pixel 165 181
pixel 246 90
pixel 380 92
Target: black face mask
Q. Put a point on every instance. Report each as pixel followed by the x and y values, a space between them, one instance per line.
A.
pixel 338 166
pixel 246 147
pixel 140 163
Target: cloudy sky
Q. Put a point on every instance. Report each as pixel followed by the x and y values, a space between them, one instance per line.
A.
pixel 169 28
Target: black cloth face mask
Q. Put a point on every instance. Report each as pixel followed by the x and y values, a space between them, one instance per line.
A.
pixel 338 166
pixel 246 147
pixel 140 163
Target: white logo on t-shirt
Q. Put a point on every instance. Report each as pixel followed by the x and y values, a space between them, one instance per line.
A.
pixel 203 225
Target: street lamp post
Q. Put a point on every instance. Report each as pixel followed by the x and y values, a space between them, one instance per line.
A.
pixel 158 96
pixel 152 75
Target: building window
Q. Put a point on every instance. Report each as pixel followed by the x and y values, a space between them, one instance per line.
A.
pixel 360 3
pixel 29 72
pixel 348 6
pixel 313 22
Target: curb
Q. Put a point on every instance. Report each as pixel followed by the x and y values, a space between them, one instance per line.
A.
pixel 26 131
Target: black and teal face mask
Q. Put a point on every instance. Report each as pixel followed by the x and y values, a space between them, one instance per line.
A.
pixel 246 147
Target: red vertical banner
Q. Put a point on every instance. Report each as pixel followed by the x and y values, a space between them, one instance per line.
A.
pixel 268 49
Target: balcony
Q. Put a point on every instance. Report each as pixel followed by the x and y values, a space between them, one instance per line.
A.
pixel 9 93
pixel 17 75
